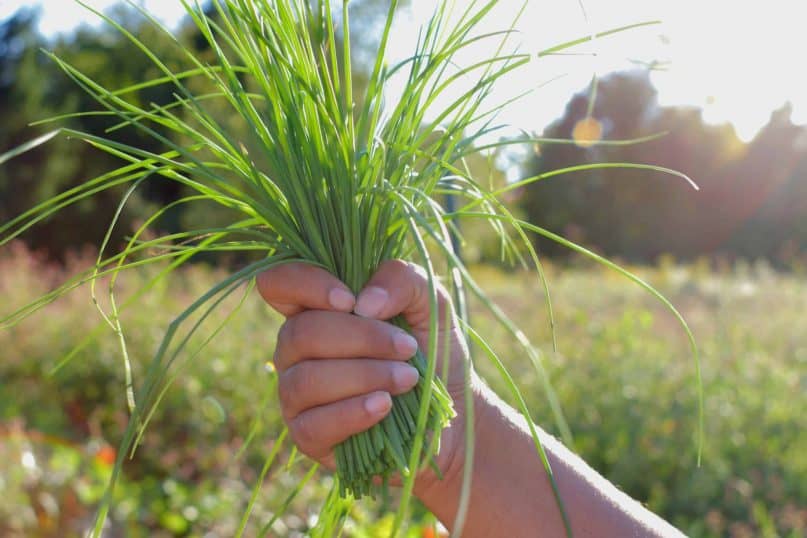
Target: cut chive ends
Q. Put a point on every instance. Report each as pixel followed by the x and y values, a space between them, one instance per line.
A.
pixel 385 449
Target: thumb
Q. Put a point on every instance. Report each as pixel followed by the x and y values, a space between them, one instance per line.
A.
pixel 401 288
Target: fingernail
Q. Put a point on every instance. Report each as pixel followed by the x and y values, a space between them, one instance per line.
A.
pixel 405 344
pixel 378 403
pixel 371 301
pixel 404 376
pixel 341 299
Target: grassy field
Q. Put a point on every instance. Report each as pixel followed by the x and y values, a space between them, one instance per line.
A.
pixel 623 374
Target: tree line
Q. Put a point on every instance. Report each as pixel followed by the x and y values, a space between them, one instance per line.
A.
pixel 752 201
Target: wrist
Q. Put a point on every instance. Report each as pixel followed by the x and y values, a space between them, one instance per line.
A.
pixel 441 495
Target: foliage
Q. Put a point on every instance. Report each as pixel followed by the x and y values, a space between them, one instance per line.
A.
pixel 753 198
pixel 622 375
pixel 35 88
pixel 316 178
pixel 752 202
pixel 32 88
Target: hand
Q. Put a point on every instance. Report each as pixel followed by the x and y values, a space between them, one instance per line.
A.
pixel 337 371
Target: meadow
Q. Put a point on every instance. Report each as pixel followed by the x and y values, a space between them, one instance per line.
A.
pixel 623 374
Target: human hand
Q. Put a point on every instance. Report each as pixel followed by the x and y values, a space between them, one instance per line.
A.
pixel 337 371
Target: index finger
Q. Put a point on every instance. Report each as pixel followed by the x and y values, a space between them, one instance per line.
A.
pixel 294 287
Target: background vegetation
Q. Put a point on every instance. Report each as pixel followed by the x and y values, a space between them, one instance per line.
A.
pixel 623 373
pixel 752 204
pixel 753 198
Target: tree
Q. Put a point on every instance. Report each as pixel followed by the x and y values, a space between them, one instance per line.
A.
pixel 33 87
pixel 745 206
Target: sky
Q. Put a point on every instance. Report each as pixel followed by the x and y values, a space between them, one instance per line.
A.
pixel 737 60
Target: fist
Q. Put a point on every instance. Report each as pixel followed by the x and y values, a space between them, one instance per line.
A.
pixel 339 361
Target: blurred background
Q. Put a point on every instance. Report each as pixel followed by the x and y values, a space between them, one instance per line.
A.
pixel 719 90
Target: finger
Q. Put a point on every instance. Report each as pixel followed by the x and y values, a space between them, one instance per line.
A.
pixel 310 384
pixel 319 334
pixel 294 287
pixel 399 287
pixel 318 430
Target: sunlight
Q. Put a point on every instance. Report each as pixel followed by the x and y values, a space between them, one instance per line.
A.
pixel 63 16
pixel 736 61
pixel 737 68
pixel 587 132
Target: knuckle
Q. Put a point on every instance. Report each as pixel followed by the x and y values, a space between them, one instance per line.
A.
pixel 304 435
pixel 273 284
pixel 298 380
pixel 286 391
pixel 397 265
pixel 262 282
pixel 268 282
pixel 417 272
pixel 285 336
pixel 444 303
pixel 421 289
pixel 421 293
pixel 420 283
pixel 300 328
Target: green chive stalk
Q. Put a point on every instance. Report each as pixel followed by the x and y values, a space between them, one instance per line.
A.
pixel 322 176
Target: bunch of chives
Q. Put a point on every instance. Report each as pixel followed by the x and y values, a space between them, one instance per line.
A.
pixel 339 185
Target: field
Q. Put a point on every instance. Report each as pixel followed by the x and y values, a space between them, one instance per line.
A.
pixel 623 374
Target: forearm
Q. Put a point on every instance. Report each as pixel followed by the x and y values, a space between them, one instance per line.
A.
pixel 512 495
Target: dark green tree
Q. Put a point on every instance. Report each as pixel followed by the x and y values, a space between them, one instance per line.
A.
pixel 747 205
pixel 33 87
